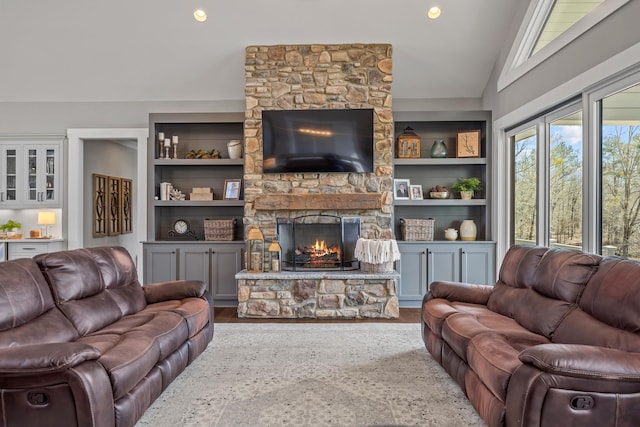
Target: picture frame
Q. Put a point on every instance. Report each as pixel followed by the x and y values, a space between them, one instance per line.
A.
pixel 232 189
pixel 468 144
pixel 401 189
pixel 416 192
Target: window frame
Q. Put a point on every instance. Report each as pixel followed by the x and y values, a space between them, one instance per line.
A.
pixel 520 60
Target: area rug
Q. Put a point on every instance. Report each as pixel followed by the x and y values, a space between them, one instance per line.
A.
pixel 337 374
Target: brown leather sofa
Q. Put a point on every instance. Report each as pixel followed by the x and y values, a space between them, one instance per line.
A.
pixel 83 344
pixel 556 342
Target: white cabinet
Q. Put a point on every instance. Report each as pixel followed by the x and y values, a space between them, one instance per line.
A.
pixel 27 249
pixel 30 174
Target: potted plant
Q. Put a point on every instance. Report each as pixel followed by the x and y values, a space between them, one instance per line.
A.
pixel 466 187
pixel 10 227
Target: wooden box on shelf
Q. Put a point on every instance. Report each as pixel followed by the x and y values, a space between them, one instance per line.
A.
pixel 201 194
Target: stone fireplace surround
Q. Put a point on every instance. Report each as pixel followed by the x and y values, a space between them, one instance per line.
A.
pixel 318 76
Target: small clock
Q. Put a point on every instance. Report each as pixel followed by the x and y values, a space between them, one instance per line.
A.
pixel 181 230
pixel 180 226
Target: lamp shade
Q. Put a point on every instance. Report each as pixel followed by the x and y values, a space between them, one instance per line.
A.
pixel 46 218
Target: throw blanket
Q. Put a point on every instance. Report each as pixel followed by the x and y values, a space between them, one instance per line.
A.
pixel 375 251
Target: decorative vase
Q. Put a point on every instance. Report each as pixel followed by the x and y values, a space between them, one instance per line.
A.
pixel 235 149
pixel 466 195
pixel 468 230
pixel 438 149
pixel 451 234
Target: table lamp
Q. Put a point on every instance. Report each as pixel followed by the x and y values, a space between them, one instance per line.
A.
pixel 46 218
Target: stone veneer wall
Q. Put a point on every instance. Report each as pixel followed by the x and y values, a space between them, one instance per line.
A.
pixel 319 77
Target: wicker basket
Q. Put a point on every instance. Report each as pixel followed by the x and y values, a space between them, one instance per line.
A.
pixel 219 229
pixel 385 267
pixel 417 229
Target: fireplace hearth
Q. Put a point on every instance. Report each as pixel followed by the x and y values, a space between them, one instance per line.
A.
pixel 318 242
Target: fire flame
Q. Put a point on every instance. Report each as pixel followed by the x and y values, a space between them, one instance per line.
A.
pixel 321 249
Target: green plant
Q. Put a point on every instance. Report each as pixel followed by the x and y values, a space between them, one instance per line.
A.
pixel 10 225
pixel 467 184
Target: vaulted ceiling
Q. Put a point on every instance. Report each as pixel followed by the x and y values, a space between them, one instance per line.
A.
pixel 154 50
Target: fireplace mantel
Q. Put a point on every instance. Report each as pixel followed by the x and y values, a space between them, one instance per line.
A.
pixel 294 202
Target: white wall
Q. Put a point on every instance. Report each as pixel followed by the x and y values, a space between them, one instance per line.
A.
pixel 113 159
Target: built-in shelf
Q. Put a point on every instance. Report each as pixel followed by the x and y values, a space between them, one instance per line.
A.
pixel 441 202
pixel 216 203
pixel 440 162
pixel 198 162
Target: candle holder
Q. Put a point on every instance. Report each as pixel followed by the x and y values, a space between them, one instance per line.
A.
pixel 161 143
pixel 174 140
pixel 167 147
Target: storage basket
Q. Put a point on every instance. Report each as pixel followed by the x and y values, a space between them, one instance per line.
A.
pixel 385 267
pixel 417 229
pixel 219 229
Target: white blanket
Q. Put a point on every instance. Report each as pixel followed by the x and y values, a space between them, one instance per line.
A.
pixel 376 251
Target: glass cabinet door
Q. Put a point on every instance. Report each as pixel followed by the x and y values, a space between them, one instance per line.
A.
pixel 42 174
pixel 9 177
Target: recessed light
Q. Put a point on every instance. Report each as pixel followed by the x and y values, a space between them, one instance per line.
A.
pixel 200 15
pixel 434 12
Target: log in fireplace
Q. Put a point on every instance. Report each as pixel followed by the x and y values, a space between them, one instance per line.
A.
pixel 318 242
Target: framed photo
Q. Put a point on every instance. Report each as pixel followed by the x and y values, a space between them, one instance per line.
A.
pixel 468 144
pixel 401 189
pixel 232 189
pixel 416 192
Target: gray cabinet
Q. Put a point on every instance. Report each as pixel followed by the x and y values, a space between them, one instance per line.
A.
pixel 424 262
pixel 160 262
pixel 216 264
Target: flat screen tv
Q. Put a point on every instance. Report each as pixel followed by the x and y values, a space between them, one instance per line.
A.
pixel 299 141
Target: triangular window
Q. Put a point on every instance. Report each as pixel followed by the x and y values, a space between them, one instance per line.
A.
pixel 547 27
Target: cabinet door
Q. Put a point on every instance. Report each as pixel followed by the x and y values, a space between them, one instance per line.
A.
pixel 226 261
pixel 10 176
pixel 160 263
pixel 41 168
pixel 443 263
pixel 412 267
pixel 478 265
pixel 194 262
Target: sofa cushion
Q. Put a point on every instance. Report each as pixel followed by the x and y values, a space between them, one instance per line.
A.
pixel 459 328
pixel 494 357
pixel 94 287
pixel 168 329
pixel 539 299
pixel 609 310
pixel 195 311
pixel 127 357
pixel 27 312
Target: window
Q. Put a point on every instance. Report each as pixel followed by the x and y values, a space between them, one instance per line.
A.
pixel 620 173
pixel 547 27
pixel 524 186
pixel 563 14
pixel 547 180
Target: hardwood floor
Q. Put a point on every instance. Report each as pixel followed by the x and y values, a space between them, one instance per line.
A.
pixel 230 315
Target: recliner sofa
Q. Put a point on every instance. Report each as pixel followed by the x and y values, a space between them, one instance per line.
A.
pixel 556 342
pixel 82 343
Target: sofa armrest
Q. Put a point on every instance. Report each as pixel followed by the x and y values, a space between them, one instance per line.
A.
pixel 458 291
pixel 174 290
pixel 584 361
pixel 45 358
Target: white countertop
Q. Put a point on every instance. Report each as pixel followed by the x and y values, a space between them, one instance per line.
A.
pixel 23 240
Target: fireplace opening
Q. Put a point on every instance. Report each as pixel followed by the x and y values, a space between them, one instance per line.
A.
pixel 318 242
